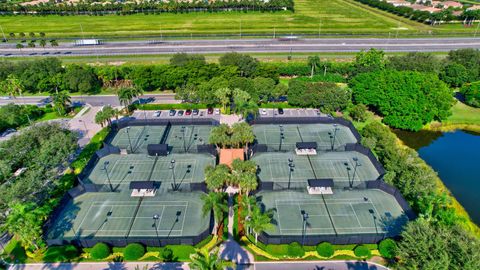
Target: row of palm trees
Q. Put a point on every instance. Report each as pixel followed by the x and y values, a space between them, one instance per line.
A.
pixel 237 136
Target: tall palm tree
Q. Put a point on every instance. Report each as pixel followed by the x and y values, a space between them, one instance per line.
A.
pixel 220 136
pixel 258 221
pixel 216 177
pixel 127 94
pixel 243 134
pixel 61 100
pixel 313 62
pixel 217 203
pixel 12 86
pixel 205 260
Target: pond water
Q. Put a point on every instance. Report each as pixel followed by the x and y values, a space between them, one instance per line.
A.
pixel 456 158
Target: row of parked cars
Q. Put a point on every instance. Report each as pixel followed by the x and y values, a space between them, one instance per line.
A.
pixel 188 112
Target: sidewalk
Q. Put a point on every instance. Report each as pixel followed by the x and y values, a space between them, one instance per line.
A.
pixel 85 125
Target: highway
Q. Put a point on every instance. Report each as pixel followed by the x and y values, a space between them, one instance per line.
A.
pixel 245 45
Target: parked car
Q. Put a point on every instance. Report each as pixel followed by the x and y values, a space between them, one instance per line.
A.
pixel 195 111
pixel 180 113
pixel 172 112
pixel 210 110
pixel 188 112
pixel 217 111
pixel 8 131
pixel 280 111
pixel 263 111
pixel 157 113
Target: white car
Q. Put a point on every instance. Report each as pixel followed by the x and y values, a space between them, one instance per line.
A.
pixel 217 111
pixel 5 98
pixel 263 111
pixel 157 113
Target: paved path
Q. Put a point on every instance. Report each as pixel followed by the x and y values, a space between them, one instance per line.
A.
pixel 85 125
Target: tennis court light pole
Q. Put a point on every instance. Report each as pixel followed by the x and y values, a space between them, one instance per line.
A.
pixel 334 135
pixel 290 170
pixel 129 140
pixel 281 138
pixel 304 231
pixel 172 167
pixel 357 164
pixel 105 167
pixel 155 219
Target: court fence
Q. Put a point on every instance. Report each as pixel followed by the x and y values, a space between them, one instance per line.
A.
pixel 311 240
pixel 379 184
pixel 356 147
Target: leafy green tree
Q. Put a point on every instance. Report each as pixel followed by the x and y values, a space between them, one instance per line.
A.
pixel 279 90
pixel 224 95
pixel 415 61
pixel 259 221
pixel 182 59
pixel 387 248
pixel 359 112
pixel 242 135
pixel 216 177
pixel 368 61
pixel 325 249
pixel 454 74
pixel 187 93
pixel 246 173
pixel 106 115
pixel 245 64
pixel 206 90
pixel 217 203
pixel 43 43
pixel 220 136
pixel 61 101
pixel 264 88
pixel 53 43
pixel 244 84
pixel 81 79
pixel 406 99
pixel 19 46
pixel 240 96
pixel 470 59
pixel 12 86
pixel 471 92
pixel 206 260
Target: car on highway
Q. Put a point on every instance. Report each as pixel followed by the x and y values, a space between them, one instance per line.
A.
pixel 172 112
pixel 5 97
pixel 210 111
pixel 180 113
pixel 188 112
pixel 217 111
pixel 280 110
pixel 195 111
pixel 157 113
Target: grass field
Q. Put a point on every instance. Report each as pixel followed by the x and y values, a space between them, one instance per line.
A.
pixel 463 114
pixel 310 16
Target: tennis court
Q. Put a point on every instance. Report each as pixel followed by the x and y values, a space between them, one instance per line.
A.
pixel 283 137
pixel 345 212
pixel 118 215
pixel 342 167
pixel 180 138
pixel 120 170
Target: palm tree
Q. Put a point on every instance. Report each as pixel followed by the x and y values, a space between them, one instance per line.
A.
pixel 12 35
pixel 215 177
pixel 61 100
pixel 12 86
pixel 205 260
pixel 258 222
pixel 100 118
pixel 242 134
pixel 224 96
pixel 314 62
pixel 43 43
pixel 53 43
pixel 217 203
pixel 127 94
pixel 220 136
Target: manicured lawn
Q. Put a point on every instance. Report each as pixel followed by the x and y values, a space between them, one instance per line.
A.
pixel 463 114
pixel 310 16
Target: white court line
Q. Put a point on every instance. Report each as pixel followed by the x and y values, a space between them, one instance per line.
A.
pixel 356 216
pixel 184 217
pixel 278 215
pixel 160 218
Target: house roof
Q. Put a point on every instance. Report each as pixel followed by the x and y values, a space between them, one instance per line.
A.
pixel 320 182
pixel 228 155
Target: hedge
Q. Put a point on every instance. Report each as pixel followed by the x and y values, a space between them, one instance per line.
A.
pixel 134 251
pixel 60 253
pixel 325 249
pixel 295 250
pixel 100 251
pixel 387 248
pixel 179 106
pixel 329 77
pixel 362 251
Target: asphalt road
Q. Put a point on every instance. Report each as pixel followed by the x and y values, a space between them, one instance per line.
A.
pixel 246 45
pixel 99 100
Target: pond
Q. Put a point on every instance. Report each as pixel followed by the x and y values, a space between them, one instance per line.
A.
pixel 456 158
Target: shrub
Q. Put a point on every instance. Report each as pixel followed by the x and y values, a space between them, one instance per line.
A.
pixel 167 254
pixel 359 113
pixel 325 249
pixel 60 253
pixel 387 248
pixel 295 250
pixel 134 251
pixel 278 250
pixel 100 251
pixel 362 251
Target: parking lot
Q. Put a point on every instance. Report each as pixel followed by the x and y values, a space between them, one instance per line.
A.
pixel 179 114
pixel 291 113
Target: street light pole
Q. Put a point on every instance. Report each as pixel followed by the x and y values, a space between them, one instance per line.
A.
pixel 172 167
pixel 304 230
pixel 129 140
pixel 105 165
pixel 155 218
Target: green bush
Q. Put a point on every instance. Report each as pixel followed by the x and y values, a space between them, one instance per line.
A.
pixel 100 251
pixel 167 255
pixel 277 250
pixel 60 253
pixel 325 249
pixel 359 112
pixel 387 248
pixel 362 251
pixel 295 250
pixel 133 251
pixel 180 106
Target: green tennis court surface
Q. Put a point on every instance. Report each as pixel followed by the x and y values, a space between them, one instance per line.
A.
pixel 344 212
pixel 340 166
pixel 120 170
pixel 182 138
pixel 116 215
pixel 323 134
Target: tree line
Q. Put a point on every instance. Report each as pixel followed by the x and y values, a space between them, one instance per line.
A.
pixel 91 7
